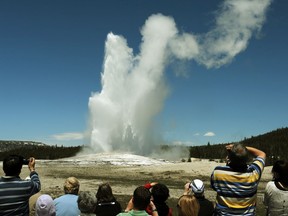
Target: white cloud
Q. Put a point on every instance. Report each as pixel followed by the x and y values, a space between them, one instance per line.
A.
pixel 209 134
pixel 185 143
pixel 235 24
pixel 68 136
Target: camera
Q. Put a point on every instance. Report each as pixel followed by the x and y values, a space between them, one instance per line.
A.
pixel 25 161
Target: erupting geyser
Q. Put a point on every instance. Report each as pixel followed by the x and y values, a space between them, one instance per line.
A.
pixel 133 91
pixel 133 88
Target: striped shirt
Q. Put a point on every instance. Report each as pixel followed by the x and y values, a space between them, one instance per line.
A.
pixel 237 191
pixel 15 194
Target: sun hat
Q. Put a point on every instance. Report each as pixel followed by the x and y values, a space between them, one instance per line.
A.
pixel 197 186
pixel 45 206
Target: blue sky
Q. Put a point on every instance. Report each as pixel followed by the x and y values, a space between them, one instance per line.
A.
pixel 51 59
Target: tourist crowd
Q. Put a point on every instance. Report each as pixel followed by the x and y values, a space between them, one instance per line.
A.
pixel 235 184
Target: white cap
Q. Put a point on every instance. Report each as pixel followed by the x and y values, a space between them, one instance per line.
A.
pixel 197 186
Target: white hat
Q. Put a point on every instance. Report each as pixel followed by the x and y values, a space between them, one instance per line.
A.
pixel 197 186
pixel 45 206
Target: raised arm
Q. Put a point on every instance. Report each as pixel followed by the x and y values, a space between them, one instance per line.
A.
pixel 256 152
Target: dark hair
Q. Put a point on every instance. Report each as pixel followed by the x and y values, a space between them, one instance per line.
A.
pixel 160 192
pixel 104 193
pixel 280 171
pixel 86 202
pixel 12 165
pixel 238 157
pixel 141 198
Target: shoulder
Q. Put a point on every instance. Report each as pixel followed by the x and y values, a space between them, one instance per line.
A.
pixel 124 214
pixel 224 167
pixel 270 187
pixel 257 165
pixel 221 170
pixel 271 184
pixel 205 200
pixel 64 197
pixel 259 161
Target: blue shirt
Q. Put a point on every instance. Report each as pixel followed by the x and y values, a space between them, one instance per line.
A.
pixel 15 193
pixel 67 205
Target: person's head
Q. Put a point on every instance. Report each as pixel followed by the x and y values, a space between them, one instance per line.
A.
pixel 280 171
pixel 104 193
pixel 197 187
pixel 238 157
pixel 45 206
pixel 188 206
pixel 71 186
pixel 12 165
pixel 160 193
pixel 141 198
pixel 86 202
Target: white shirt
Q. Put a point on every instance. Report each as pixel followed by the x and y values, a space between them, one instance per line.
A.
pixel 276 200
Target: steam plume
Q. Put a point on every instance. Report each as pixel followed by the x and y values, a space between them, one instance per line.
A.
pixel 133 87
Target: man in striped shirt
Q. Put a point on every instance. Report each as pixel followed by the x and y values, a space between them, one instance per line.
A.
pixel 14 191
pixel 236 183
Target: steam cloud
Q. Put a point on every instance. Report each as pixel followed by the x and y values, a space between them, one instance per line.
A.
pixel 133 87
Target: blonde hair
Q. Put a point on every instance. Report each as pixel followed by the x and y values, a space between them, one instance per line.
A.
pixel 71 185
pixel 188 206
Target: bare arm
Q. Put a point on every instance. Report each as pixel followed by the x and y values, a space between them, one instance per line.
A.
pixel 256 152
pixel 154 210
pixel 187 189
pixel 130 205
pixel 253 151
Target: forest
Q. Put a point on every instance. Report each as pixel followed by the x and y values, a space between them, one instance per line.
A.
pixel 37 150
pixel 274 143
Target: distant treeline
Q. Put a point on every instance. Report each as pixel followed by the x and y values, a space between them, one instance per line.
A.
pixel 37 150
pixel 274 144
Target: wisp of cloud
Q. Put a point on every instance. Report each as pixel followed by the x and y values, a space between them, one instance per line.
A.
pixel 133 86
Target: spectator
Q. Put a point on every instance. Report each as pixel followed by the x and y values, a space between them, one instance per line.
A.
pixel 14 191
pixel 160 194
pixel 67 203
pixel 236 183
pixel 106 205
pixel 45 206
pixel 86 203
pixel 276 192
pixel 32 203
pixel 188 206
pixel 197 188
pixel 139 202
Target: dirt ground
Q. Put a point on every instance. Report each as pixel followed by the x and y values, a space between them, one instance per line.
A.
pixel 124 179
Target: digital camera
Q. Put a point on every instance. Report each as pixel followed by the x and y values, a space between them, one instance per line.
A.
pixel 25 161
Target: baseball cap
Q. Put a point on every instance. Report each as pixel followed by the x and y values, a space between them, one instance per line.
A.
pixel 197 186
pixel 45 206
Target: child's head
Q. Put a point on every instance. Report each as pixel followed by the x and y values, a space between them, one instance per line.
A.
pixel 160 192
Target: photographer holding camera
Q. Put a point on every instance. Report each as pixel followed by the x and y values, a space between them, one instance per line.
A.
pixel 197 188
pixel 236 183
pixel 14 191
